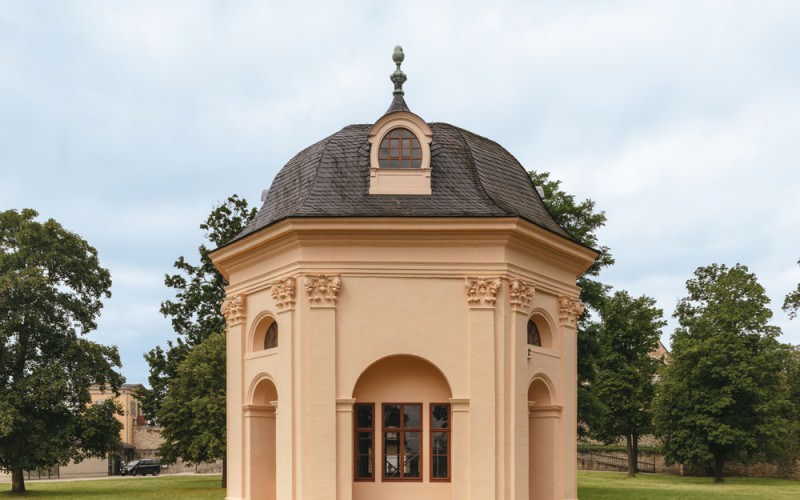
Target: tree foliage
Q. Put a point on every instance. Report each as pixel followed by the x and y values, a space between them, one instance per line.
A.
pixel 724 394
pixel 51 291
pixel 193 412
pixel 792 302
pixel 629 332
pixel 582 221
pixel 195 312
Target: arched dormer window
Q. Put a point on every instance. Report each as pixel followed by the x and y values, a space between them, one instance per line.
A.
pixel 400 148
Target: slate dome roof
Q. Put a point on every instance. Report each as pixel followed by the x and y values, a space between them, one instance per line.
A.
pixel 471 176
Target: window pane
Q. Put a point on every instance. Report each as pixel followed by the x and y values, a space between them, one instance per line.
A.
pixel 440 415
pixel 364 416
pixel 533 334
pixel 416 163
pixel 391 453
pixel 271 338
pixel 391 416
pixel 364 442
pixel 412 416
pixel 411 462
pixel 364 466
pixel 439 443
pixel 439 467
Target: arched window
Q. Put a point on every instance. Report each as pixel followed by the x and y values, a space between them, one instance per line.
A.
pixel 400 148
pixel 534 338
pixel 271 338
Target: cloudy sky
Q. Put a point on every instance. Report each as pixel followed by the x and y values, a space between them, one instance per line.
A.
pixel 127 121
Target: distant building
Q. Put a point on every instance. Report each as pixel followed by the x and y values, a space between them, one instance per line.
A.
pixel 401 323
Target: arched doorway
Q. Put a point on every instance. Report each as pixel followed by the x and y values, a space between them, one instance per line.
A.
pixel 542 436
pixel 259 418
pixel 403 442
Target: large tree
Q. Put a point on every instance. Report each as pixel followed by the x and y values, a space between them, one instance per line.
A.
pixel 792 302
pixel 196 315
pixel 51 291
pixel 582 220
pixel 193 412
pixel 195 312
pixel 724 393
pixel 629 332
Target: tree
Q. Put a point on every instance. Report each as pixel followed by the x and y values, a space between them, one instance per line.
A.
pixel 193 411
pixel 724 393
pixel 196 315
pixel 196 311
pixel 582 221
pixel 792 303
pixel 51 291
pixel 629 331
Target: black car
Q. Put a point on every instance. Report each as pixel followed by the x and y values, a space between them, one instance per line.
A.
pixel 142 467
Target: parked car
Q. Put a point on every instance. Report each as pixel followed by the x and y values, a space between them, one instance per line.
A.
pixel 142 467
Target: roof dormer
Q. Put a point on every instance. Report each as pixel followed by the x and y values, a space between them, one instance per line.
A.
pixel 400 146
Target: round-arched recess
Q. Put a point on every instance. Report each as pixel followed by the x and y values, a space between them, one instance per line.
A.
pixel 540 333
pixel 260 451
pixel 543 426
pixel 264 334
pixel 403 429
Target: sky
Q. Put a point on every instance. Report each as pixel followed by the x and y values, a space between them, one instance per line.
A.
pixel 128 121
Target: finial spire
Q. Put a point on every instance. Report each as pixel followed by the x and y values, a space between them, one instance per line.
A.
pixel 398 77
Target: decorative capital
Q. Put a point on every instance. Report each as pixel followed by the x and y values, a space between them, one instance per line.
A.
pixel 570 310
pixel 520 295
pixel 233 309
pixel 283 293
pixel 322 290
pixel 482 292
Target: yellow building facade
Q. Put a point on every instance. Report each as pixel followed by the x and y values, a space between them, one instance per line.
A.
pixel 402 324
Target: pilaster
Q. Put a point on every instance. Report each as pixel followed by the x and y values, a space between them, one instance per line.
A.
pixel 234 311
pixel 481 300
pixel 570 310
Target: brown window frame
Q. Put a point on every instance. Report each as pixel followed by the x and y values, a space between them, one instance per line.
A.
pixel 401 431
pixel 388 153
pixel 448 431
pixel 363 430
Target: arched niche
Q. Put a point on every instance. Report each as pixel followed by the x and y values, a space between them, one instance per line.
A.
pixel 264 333
pixel 417 391
pixel 543 434
pixel 260 446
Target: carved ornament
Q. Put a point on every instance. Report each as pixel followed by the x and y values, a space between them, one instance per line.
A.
pixel 283 293
pixel 520 295
pixel 482 292
pixel 234 310
pixel 322 290
pixel 570 309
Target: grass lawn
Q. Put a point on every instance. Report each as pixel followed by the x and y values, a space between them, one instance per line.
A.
pixel 136 488
pixel 591 486
pixel 617 486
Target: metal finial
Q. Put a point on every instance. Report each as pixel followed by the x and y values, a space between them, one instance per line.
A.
pixel 398 77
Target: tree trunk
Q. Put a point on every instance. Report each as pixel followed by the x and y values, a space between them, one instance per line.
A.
pixel 636 452
pixel 17 482
pixel 719 462
pixel 631 455
pixel 224 472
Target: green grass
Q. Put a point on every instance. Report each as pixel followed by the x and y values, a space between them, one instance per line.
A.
pixel 617 486
pixel 591 486
pixel 135 488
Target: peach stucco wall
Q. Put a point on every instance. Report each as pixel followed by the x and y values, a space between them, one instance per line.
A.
pixel 436 301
